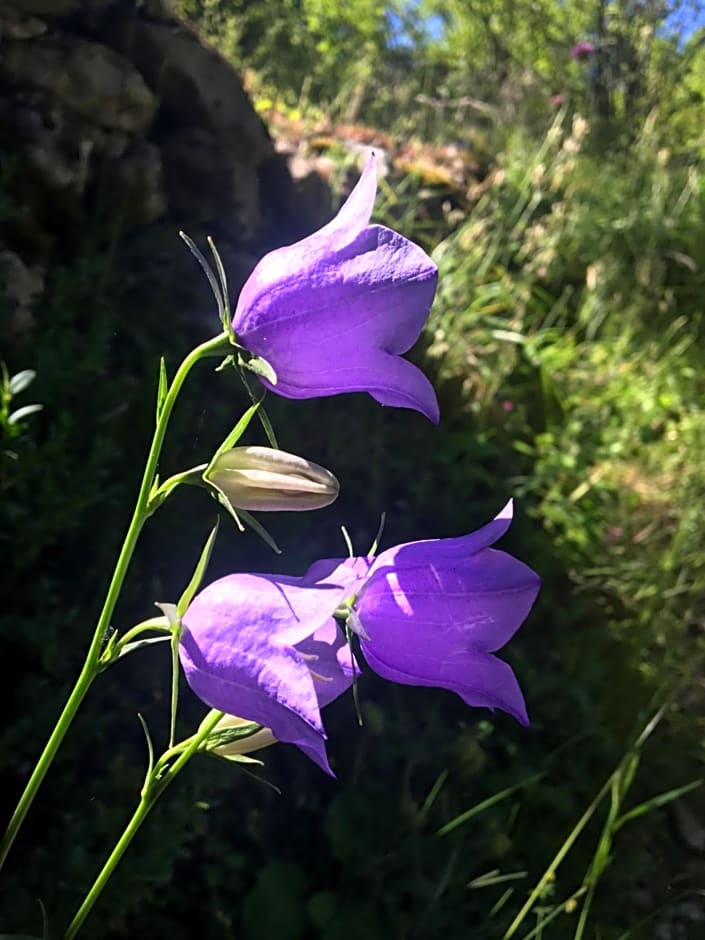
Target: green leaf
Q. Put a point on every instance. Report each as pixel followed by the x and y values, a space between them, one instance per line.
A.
pixel 199 572
pixel 486 804
pixel 661 799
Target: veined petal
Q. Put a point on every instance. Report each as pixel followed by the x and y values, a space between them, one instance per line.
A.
pixel 330 662
pixel 470 604
pixel 277 692
pixel 480 679
pixel 375 293
pixel 455 550
pixel 333 312
pixel 238 651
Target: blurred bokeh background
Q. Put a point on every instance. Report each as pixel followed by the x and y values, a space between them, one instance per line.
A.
pixel 551 157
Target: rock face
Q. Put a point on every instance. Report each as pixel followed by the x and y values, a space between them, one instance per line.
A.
pixel 118 104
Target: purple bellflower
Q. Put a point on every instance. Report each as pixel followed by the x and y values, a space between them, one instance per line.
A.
pixel 582 51
pixel 334 312
pixel 434 613
pixel 268 649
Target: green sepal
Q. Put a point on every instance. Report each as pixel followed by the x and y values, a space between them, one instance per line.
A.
pixel 234 436
pixel 236 758
pixel 259 366
pixel 160 491
pixel 260 530
pixel 198 574
pixel 171 613
pixel 136 644
pixel 225 318
pixel 241 516
pixel 228 361
pixel 222 736
pixel 162 387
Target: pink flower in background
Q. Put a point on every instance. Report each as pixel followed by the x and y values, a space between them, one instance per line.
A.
pixel 582 51
pixel 557 101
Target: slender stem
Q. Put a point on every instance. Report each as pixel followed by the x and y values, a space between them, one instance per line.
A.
pixel 91 665
pixel 161 777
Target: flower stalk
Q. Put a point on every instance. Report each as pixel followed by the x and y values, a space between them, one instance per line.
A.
pixel 158 779
pixel 92 665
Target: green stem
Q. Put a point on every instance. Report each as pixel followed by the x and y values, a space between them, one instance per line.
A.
pixel 159 780
pixel 91 665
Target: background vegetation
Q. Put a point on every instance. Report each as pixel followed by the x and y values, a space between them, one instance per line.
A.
pixel 566 342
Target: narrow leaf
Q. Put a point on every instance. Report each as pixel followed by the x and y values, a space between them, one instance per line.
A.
pixel 197 576
pixel 486 804
pixel 662 799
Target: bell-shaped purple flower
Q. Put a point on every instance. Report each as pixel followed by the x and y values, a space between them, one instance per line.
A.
pixel 433 613
pixel 335 312
pixel 266 648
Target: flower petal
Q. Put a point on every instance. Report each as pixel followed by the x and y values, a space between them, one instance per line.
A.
pixel 471 604
pixel 332 312
pixel 330 661
pixel 480 679
pixel 237 652
pixel 455 550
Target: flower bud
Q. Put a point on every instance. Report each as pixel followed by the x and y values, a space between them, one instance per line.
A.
pixel 239 745
pixel 262 479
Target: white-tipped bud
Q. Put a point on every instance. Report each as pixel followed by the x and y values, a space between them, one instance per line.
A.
pixel 261 479
pixel 243 744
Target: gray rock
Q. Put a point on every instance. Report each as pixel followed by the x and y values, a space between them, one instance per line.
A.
pixel 17 25
pixel 88 77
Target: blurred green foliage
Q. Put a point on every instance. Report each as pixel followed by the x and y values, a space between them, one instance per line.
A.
pixel 565 343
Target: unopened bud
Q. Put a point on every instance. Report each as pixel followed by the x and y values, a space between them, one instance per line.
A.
pixel 262 479
pixel 232 731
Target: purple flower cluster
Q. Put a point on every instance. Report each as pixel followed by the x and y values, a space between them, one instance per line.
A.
pixel 334 313
pixel 270 649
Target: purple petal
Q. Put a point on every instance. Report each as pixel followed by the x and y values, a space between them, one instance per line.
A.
pixel 454 550
pixel 238 654
pixel 330 661
pixel 332 312
pixel 355 212
pixel 480 679
pixel 473 604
